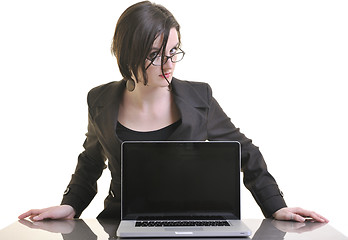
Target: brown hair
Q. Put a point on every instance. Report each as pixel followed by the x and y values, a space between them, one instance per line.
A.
pixel 136 30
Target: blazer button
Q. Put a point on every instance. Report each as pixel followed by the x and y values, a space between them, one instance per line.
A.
pixel 281 193
pixel 67 190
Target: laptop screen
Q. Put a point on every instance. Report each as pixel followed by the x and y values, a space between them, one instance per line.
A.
pixel 180 180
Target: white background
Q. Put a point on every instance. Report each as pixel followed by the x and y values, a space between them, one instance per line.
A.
pixel 278 68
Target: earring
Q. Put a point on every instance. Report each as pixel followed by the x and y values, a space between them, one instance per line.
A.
pixel 130 85
pixel 170 88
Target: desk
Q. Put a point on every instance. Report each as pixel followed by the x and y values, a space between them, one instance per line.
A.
pixel 92 229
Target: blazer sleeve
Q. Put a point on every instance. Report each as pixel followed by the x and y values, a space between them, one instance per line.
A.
pixel 91 163
pixel 256 177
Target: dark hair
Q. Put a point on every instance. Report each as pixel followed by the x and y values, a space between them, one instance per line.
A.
pixel 136 30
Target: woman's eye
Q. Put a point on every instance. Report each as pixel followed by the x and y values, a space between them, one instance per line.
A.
pixel 173 51
pixel 152 55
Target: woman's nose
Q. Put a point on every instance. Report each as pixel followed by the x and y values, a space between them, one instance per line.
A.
pixel 169 63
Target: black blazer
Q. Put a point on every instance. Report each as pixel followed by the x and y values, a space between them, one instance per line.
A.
pixel 202 119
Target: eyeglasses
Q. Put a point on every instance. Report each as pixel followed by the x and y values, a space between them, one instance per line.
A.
pixel 157 59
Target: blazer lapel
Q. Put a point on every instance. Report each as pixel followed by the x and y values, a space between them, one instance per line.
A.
pixel 106 115
pixel 193 109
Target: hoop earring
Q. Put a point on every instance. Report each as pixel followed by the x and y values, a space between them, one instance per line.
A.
pixel 130 85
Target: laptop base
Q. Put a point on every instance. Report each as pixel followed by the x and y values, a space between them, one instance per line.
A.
pixel 237 229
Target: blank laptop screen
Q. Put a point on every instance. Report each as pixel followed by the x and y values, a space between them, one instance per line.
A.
pixel 171 180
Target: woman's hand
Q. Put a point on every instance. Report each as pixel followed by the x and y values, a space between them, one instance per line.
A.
pixel 298 214
pixel 56 212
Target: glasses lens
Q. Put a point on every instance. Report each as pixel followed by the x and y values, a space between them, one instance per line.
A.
pixel 157 61
pixel 177 57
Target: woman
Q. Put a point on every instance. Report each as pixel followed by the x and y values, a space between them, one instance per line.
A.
pixel 150 104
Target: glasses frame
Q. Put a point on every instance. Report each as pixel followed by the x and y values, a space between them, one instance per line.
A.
pixel 166 58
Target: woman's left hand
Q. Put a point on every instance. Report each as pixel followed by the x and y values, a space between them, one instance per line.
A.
pixel 298 214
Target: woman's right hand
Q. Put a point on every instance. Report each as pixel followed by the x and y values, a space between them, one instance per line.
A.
pixel 56 212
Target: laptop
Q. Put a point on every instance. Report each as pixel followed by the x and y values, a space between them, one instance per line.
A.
pixel 180 189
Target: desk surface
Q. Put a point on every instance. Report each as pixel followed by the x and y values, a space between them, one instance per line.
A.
pixel 88 229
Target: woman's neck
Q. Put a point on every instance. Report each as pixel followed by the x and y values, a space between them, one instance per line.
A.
pixel 147 109
pixel 144 97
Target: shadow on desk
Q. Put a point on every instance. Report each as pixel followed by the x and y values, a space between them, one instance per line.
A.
pixel 79 229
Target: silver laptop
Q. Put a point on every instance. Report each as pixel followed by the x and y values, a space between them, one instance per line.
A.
pixel 180 189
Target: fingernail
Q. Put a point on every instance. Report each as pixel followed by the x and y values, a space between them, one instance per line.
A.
pixel 36 218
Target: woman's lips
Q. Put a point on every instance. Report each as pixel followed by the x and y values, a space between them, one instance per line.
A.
pixel 167 75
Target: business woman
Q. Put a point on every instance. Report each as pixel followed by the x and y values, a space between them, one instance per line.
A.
pixel 150 104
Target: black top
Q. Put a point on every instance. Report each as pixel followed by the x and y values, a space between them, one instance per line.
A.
pixel 126 134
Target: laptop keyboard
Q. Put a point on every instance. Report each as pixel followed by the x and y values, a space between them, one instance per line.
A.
pixel 180 223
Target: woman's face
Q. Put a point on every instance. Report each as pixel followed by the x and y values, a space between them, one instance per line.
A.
pixel 154 73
